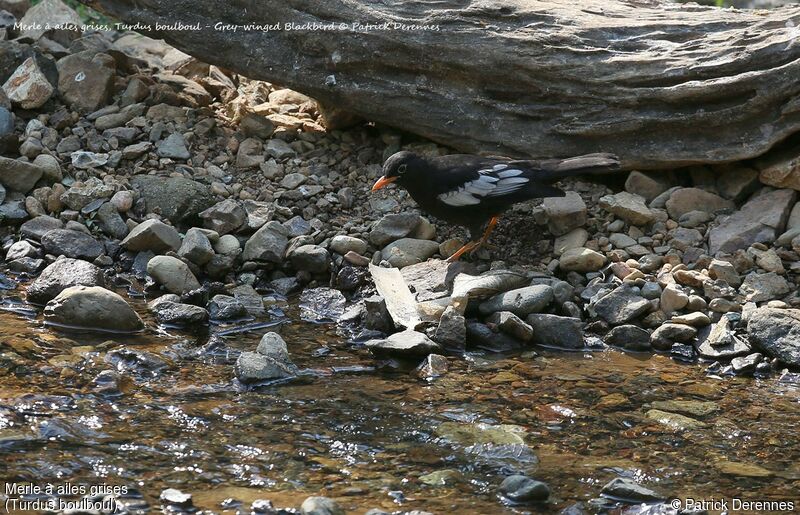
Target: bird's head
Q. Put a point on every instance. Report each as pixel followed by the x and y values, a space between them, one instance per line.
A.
pixel 398 168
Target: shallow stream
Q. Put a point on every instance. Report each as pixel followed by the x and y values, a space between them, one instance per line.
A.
pixel 370 433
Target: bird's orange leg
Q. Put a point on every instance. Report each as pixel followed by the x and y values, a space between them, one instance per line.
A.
pixel 486 233
pixel 466 248
pixel 472 246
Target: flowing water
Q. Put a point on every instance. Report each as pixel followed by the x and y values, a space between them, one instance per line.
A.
pixel 370 433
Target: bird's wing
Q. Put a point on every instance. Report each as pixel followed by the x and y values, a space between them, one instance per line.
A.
pixel 495 180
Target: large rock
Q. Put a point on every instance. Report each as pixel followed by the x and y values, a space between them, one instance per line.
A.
pixel 86 80
pixel 19 175
pixel 180 200
pixel 762 287
pixel 629 207
pixel 777 333
pixel 407 343
pixel 408 251
pixel 92 307
pixel 564 213
pixel 647 185
pixel 760 220
pixel 684 200
pixel 720 341
pixel 780 169
pixel 173 274
pixel 521 302
pixel 224 217
pixel 621 305
pixel 60 275
pixel 556 331
pixel 267 244
pixel 271 361
pixel 72 244
pixel 152 235
pixel 28 88
pixel 173 312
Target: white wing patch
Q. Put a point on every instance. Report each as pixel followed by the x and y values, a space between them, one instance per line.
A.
pixel 497 181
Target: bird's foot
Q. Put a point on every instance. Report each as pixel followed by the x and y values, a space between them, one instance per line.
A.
pixel 460 252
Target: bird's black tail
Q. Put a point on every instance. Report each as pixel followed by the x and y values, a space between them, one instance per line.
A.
pixel 553 170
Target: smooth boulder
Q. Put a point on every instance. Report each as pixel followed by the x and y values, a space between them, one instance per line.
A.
pixel 92 307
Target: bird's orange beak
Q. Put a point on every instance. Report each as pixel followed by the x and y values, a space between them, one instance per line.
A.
pixel 382 182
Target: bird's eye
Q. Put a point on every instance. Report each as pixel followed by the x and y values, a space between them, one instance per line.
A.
pixel 401 169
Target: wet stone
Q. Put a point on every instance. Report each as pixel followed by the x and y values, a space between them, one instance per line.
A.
pixel 60 275
pixel 628 337
pixel 512 325
pixel 720 341
pixel 433 366
pixel 225 307
pixel 172 496
pixel 683 352
pixel 176 313
pixel 320 506
pixel 140 363
pixel 321 305
pixel 451 331
pixel 406 343
pixel 92 307
pixel 628 490
pixel 746 364
pixel 520 488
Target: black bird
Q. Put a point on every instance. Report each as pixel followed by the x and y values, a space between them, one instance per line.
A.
pixel 473 191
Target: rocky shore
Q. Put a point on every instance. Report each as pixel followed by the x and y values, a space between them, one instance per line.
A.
pixel 131 166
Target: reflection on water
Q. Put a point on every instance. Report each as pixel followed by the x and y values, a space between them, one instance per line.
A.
pixel 373 435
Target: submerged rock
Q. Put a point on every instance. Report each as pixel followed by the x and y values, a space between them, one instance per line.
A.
pixel 433 366
pixel 92 307
pixel 520 488
pixel 318 505
pixel 629 490
pixel 321 305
